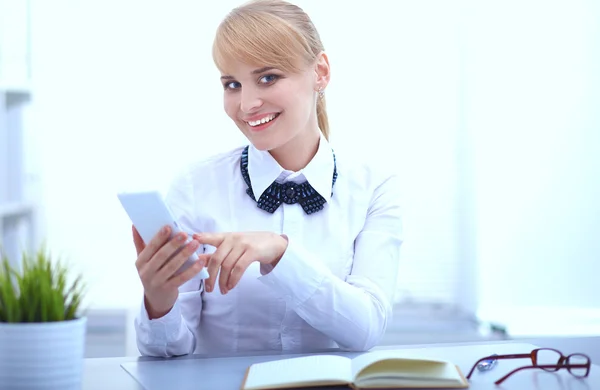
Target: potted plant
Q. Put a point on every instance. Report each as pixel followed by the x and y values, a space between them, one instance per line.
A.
pixel 42 331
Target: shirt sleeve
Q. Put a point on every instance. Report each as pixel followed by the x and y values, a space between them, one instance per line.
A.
pixel 175 333
pixel 353 312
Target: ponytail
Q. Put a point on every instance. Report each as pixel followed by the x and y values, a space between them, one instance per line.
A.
pixel 322 117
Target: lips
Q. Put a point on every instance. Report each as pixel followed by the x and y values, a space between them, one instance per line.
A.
pixel 259 120
pixel 259 123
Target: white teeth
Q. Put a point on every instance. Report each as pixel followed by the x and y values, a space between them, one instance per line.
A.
pixel 261 121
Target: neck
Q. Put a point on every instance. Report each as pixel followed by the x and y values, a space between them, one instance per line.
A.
pixel 297 153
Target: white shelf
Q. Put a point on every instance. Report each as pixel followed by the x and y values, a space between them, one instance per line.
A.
pixel 17 217
pixel 15 209
pixel 15 46
pixel 16 88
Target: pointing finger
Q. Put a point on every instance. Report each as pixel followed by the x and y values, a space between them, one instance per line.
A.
pixel 214 239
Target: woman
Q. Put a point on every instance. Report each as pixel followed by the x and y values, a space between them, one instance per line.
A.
pixel 301 245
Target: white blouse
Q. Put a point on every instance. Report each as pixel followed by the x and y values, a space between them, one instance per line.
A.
pixel 334 285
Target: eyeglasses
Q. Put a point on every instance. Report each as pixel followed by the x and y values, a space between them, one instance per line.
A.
pixel 547 359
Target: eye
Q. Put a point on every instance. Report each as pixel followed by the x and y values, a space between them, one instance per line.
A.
pixel 269 78
pixel 231 85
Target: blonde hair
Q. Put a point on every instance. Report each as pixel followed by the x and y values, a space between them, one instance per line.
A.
pixel 274 33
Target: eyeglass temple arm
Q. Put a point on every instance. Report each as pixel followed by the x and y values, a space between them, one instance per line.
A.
pixel 558 367
pixel 498 357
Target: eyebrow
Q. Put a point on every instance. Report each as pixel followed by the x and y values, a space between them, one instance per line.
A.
pixel 262 70
pixel 256 71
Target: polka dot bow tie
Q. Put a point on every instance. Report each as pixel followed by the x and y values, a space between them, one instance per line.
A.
pixel 290 193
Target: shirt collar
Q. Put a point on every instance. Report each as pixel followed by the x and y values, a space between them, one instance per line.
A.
pixel 263 170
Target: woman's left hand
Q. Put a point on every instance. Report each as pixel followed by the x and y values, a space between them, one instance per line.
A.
pixel 236 251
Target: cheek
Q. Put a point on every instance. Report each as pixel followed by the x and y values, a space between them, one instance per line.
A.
pixel 291 101
pixel 230 105
pixel 302 104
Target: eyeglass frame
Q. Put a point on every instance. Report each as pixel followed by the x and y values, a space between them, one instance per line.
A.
pixel 562 363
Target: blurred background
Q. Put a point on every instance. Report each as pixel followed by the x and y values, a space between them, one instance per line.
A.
pixel 490 111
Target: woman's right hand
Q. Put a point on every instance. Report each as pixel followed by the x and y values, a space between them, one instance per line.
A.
pixel 157 264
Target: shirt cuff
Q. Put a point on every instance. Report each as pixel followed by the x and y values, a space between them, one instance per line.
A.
pixel 164 329
pixel 297 275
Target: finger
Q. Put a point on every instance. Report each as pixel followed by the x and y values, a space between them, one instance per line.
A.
pixel 213 239
pixel 153 246
pixel 215 263
pixel 177 280
pixel 137 240
pixel 238 269
pixel 166 252
pixel 228 263
pixel 204 257
pixel 172 265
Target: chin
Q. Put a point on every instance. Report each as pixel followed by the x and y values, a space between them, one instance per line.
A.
pixel 263 142
pixel 268 139
pixel 263 145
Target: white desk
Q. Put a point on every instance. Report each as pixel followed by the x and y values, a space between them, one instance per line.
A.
pixel 225 372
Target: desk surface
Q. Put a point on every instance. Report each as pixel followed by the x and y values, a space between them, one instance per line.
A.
pixel 107 373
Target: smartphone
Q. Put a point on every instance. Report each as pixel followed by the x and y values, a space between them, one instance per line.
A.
pixel 149 213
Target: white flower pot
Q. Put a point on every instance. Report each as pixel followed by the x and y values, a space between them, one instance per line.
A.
pixel 42 355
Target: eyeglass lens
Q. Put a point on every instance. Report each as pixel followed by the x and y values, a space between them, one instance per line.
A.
pixel 548 357
pixel 577 358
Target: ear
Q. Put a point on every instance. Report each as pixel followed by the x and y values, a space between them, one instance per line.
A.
pixel 322 72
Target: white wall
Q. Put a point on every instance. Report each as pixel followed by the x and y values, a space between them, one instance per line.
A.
pixel 117 107
pixel 126 92
pixel 533 103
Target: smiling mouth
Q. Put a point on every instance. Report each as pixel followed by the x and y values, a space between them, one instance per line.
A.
pixel 262 121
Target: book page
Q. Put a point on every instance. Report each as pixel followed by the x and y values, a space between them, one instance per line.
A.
pixel 365 359
pixel 326 369
pixel 393 364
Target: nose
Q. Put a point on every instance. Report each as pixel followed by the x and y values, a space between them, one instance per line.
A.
pixel 250 100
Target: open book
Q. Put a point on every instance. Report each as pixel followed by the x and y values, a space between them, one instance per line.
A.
pixel 375 370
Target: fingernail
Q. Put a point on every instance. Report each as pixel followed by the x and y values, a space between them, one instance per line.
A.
pixel 165 230
pixel 181 237
pixel 194 245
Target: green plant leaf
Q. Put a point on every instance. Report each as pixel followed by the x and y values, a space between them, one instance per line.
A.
pixel 41 292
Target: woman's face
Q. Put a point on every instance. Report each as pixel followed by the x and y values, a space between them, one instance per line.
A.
pixel 270 106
